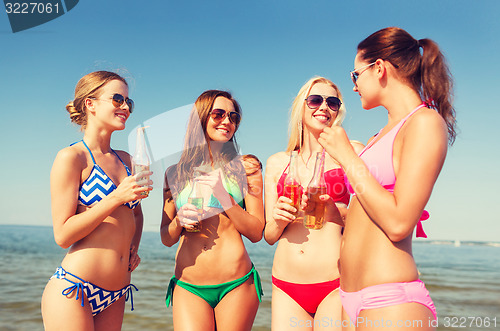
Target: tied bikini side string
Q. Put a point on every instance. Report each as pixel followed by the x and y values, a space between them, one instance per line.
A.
pixel 129 293
pixel 79 289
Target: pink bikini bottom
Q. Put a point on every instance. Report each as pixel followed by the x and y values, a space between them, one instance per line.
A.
pixel 384 295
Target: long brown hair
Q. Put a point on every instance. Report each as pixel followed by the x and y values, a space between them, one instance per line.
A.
pixel 426 71
pixel 197 149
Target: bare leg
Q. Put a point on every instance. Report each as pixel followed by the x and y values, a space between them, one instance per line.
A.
pixel 347 325
pixel 287 314
pixel 61 312
pixel 329 313
pixel 111 318
pixel 190 312
pixel 238 308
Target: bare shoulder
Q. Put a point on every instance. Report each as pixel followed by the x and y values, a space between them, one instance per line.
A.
pixel 170 174
pixel 357 146
pixel 72 156
pixel 252 164
pixel 278 158
pixel 68 165
pixel 427 122
pixel 277 162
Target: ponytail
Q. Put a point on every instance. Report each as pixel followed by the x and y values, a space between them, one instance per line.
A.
pixel 437 84
pixel 426 72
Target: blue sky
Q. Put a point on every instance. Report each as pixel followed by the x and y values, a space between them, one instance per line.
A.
pixel 261 51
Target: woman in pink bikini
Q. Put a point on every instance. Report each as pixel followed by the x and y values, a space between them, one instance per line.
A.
pixel 379 283
pixel 305 268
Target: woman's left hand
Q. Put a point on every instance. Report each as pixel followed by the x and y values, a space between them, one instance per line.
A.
pixel 134 259
pixel 332 212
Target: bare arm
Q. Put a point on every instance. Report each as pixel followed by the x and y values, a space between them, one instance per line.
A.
pixel 249 222
pixel 424 146
pixel 134 246
pixel 170 228
pixel 279 212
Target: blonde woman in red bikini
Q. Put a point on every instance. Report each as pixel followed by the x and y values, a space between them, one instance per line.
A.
pixel 305 268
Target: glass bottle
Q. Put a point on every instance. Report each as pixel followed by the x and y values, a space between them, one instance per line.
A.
pixel 140 159
pixel 292 182
pixel 315 218
pixel 195 198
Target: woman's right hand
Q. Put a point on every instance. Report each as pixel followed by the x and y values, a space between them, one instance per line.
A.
pixel 133 187
pixel 188 216
pixel 284 211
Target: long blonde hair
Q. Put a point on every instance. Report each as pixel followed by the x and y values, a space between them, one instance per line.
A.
pixel 295 126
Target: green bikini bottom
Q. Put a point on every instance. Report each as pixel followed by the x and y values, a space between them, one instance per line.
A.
pixel 213 294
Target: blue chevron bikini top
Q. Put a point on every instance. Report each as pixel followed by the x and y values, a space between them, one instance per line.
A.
pixel 98 185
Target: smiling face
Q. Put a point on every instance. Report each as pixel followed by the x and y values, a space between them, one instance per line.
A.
pixel 319 118
pixel 103 112
pixel 221 130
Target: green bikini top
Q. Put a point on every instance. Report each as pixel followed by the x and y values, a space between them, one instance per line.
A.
pixel 231 187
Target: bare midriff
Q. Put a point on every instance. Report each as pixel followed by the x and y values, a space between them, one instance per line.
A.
pixel 368 257
pixel 212 256
pixel 102 257
pixel 306 256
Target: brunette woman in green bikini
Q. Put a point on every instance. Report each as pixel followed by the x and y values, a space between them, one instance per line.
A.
pixel 215 286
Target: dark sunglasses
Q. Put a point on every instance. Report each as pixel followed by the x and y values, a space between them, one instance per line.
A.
pixel 117 100
pixel 220 114
pixel 314 101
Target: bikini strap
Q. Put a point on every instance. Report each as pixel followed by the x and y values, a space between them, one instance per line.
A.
pixel 403 121
pixel 92 156
pixel 119 158
pixel 397 127
pixel 423 104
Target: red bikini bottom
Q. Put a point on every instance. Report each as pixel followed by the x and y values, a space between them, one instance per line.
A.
pixel 308 296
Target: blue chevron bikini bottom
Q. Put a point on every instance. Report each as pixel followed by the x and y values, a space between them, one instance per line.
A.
pixel 99 299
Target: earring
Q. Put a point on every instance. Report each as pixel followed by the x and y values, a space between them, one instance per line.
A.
pixel 299 127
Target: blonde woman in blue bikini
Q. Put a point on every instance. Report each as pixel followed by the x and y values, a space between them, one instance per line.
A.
pixel 215 285
pixel 95 212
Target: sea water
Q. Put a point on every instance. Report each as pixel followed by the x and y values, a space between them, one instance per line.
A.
pixel 463 281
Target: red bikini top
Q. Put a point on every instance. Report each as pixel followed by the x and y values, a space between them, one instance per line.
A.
pixel 335 185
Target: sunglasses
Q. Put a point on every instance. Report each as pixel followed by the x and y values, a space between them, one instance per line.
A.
pixel 355 74
pixel 220 114
pixel 118 100
pixel 314 101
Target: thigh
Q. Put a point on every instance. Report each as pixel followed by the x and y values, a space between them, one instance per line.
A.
pixel 329 313
pixel 190 312
pixel 60 312
pixel 237 310
pixel 347 324
pixel 287 314
pixel 111 318
pixel 407 316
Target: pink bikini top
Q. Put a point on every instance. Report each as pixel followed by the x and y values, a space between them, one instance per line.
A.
pixel 378 157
